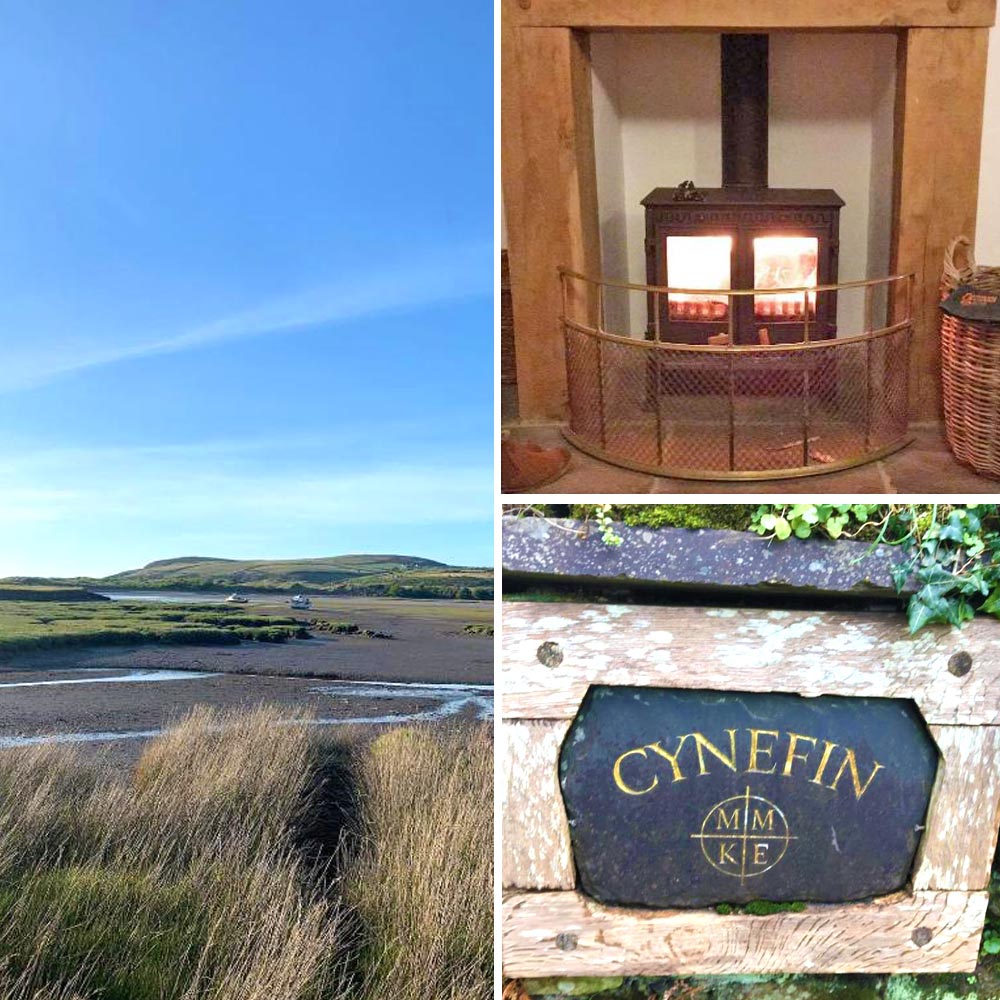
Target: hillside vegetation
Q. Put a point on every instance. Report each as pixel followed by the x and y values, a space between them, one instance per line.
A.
pixel 48 593
pixel 247 858
pixel 366 575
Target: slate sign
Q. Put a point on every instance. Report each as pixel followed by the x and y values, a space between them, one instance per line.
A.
pixel 692 798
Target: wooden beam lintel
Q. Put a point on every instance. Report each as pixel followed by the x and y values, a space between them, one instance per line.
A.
pixel 762 15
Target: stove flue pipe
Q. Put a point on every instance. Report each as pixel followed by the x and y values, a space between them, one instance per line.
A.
pixel 744 111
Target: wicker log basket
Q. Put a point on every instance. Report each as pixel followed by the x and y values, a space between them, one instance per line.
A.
pixel 970 367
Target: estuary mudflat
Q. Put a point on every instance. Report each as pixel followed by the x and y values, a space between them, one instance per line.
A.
pixel 434 667
pixel 430 641
pixel 121 709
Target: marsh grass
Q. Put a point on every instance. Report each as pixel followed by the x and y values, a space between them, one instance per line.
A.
pixel 28 625
pixel 250 858
pixel 425 848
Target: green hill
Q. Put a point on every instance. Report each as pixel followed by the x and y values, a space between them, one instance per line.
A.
pixel 368 575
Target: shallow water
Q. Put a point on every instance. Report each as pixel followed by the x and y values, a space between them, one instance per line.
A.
pixel 453 699
pixel 136 677
pixel 447 701
pixel 168 596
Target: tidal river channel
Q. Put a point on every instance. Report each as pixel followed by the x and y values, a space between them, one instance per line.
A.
pixel 94 706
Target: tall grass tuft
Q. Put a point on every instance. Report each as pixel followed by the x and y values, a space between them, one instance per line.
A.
pixel 423 875
pixel 188 879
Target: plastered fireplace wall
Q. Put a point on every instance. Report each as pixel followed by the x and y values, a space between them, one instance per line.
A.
pixel 656 123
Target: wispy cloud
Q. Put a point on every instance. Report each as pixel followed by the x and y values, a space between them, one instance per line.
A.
pixel 97 511
pixel 201 486
pixel 427 278
pixel 359 439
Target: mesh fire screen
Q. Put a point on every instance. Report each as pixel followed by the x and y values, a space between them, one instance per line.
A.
pixel 721 411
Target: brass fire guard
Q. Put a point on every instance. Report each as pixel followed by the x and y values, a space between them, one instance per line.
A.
pixel 730 411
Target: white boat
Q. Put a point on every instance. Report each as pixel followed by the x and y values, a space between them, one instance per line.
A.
pixel 300 601
pixel 237 599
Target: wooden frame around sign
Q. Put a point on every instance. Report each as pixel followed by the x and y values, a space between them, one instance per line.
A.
pixel 550 929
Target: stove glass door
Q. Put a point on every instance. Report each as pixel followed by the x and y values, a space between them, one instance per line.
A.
pixel 699 262
pixel 785 262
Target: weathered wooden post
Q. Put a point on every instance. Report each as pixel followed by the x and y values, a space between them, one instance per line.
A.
pixel 751 721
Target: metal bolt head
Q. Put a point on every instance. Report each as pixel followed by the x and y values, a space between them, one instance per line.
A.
pixel 566 941
pixel 921 936
pixel 959 663
pixel 549 654
pixel 954 6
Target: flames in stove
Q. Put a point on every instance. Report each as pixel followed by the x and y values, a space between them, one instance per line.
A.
pixel 779 262
pixel 699 262
pixel 785 262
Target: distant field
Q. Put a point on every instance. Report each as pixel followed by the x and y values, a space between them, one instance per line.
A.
pixel 51 592
pixel 368 575
pixel 31 624
pixel 352 608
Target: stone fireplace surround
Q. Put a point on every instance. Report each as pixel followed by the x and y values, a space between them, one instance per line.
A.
pixel 549 177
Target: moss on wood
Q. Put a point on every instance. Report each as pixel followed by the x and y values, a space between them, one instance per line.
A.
pixel 677 515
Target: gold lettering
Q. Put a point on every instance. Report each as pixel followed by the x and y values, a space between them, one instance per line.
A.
pixel 672 757
pixel 628 790
pixel 756 749
pixel 763 822
pixel 724 854
pixel 760 853
pixel 824 760
pixel 851 761
pixel 793 739
pixel 701 743
pixel 733 823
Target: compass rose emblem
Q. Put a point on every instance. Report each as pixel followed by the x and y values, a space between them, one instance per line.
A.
pixel 744 836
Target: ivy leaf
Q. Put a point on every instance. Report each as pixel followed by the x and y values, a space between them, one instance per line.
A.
pixel 992 603
pixel 991 945
pixel 918 614
pixel 900 573
pixel 782 529
pixel 926 606
pixel 952 531
pixel 934 575
pixel 768 522
pixel 959 612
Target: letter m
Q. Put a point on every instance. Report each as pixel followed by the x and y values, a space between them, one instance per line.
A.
pixel 765 822
pixel 730 823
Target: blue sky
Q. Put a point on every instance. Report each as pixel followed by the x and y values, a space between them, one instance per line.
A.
pixel 245 281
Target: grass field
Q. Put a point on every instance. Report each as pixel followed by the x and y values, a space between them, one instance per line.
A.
pixel 35 624
pixel 44 623
pixel 248 860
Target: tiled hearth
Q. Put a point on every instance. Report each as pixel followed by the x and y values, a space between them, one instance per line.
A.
pixel 924 466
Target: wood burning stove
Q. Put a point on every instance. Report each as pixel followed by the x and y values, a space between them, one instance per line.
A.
pixel 742 235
